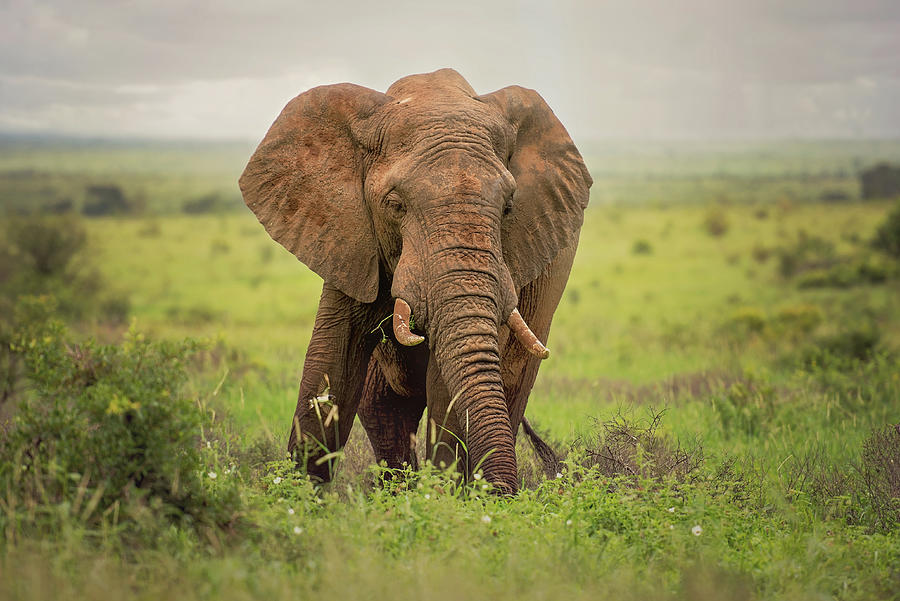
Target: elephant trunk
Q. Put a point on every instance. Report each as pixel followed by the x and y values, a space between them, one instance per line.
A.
pixel 465 314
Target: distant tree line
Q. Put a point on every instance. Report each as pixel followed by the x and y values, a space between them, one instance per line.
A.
pixel 880 181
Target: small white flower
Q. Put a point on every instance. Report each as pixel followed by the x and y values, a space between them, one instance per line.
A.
pixel 208 445
pixel 485 486
pixel 558 475
pixel 298 530
pixel 427 496
pixel 671 527
pixel 290 511
pixel 277 480
pixel 478 476
pixel 671 510
pixel 697 530
pixel 212 475
pixel 568 522
pixel 486 519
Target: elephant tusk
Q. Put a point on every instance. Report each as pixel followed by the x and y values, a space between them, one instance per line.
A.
pixel 401 325
pixel 524 334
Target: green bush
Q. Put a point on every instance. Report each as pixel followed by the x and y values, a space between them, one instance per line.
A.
pixel 106 435
pixel 843 349
pixel 716 222
pixel 106 199
pixel 887 237
pixel 48 255
pixel 881 475
pixel 847 273
pixel 746 321
pixel 808 252
pixel 798 320
pixel 642 247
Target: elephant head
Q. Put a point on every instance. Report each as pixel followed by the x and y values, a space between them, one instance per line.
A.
pixel 434 200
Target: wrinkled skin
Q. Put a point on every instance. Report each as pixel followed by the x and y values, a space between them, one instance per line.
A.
pixel 465 207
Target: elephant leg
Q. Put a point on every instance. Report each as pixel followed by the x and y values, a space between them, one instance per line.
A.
pixel 333 375
pixel 537 303
pixel 390 418
pixel 444 432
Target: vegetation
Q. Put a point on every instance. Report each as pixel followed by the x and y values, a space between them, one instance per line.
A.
pixel 725 402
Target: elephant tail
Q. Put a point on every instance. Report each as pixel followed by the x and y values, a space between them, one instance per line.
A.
pixel 549 459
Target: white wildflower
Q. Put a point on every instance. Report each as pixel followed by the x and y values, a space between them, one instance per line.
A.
pixel 558 475
pixel 568 522
pixel 486 519
pixel 485 486
pixel 212 475
pixel 697 530
pixel 478 476
pixel 290 511
pixel 277 480
pixel 427 496
pixel 298 530
pixel 671 510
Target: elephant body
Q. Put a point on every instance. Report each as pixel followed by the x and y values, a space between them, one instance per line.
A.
pixel 463 210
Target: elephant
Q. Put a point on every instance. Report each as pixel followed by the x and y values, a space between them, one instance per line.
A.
pixel 457 215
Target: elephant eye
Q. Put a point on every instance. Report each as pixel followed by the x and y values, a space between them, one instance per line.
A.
pixel 394 204
pixel 508 203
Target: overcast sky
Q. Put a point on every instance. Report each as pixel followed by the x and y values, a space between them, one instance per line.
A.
pixel 627 69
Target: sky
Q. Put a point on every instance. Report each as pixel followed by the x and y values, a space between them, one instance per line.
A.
pixel 638 69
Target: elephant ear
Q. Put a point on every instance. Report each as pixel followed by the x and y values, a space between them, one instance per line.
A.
pixel 552 184
pixel 304 184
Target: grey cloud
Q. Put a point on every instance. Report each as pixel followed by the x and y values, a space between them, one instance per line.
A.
pixel 609 69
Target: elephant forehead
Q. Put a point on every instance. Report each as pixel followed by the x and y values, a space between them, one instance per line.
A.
pixel 421 118
pixel 450 170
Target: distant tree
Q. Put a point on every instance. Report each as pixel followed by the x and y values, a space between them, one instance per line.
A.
pixel 887 237
pixel 60 207
pixel 881 181
pixel 207 203
pixel 106 199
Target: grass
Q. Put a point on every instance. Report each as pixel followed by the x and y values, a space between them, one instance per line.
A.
pixel 756 377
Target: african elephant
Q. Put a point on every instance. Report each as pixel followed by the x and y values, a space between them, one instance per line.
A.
pixel 456 213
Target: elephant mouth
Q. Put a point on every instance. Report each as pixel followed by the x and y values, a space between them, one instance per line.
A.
pixel 516 324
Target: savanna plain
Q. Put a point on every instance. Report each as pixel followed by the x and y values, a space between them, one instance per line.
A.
pixel 723 395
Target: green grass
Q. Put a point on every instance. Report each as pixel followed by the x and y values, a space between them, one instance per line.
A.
pixel 694 323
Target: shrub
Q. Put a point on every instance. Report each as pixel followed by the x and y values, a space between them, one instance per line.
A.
pixel 795 320
pixel 746 321
pixel 150 229
pixel 880 181
pixel 47 255
pixel 761 253
pixel 848 273
pixel 106 199
pixel 881 474
pixel 808 252
pixel 716 222
pixel 46 245
pixel 208 203
pixel 107 431
pixel 634 449
pixel 844 348
pixel 887 237
pixel 834 196
pixel 642 247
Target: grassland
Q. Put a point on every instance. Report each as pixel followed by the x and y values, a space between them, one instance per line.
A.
pixel 694 292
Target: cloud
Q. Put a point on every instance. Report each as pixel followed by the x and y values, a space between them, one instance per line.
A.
pixel 609 69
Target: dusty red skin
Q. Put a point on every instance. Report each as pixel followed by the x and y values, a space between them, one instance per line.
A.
pixel 461 209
